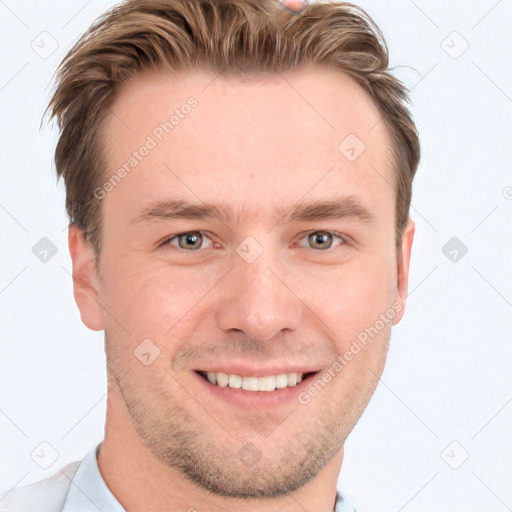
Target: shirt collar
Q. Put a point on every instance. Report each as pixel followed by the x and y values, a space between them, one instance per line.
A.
pixel 88 491
pixel 342 503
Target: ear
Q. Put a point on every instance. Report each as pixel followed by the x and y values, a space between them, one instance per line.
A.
pixel 86 283
pixel 402 275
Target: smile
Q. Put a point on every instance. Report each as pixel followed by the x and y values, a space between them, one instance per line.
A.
pixel 251 383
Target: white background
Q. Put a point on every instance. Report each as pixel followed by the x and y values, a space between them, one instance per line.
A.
pixel 448 376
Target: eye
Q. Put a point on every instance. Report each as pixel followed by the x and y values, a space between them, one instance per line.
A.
pixel 192 241
pixel 189 241
pixel 323 240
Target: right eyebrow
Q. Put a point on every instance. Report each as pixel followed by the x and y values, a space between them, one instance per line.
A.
pixel 180 209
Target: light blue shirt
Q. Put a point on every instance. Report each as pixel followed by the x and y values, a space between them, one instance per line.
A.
pixel 79 487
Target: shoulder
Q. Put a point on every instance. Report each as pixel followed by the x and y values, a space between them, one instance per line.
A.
pixel 46 495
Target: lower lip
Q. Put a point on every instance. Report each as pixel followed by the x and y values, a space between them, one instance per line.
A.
pixel 250 399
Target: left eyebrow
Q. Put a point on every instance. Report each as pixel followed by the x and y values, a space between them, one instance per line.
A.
pixel 335 208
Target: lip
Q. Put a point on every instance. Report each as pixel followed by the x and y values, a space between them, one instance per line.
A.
pixel 241 398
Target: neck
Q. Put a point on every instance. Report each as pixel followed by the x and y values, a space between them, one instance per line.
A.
pixel 141 481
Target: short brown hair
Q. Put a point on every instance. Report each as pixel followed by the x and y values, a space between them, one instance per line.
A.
pixel 228 37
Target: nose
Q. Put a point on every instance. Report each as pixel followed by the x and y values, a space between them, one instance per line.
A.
pixel 258 300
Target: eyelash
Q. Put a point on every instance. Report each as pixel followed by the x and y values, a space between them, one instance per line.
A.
pixel 167 241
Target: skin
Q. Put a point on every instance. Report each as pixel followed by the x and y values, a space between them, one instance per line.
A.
pixel 255 145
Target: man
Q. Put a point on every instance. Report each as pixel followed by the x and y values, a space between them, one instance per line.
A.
pixel 238 183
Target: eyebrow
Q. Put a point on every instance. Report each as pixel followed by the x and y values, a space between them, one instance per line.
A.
pixel 335 208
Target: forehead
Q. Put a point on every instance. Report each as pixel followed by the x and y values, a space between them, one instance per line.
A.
pixel 258 140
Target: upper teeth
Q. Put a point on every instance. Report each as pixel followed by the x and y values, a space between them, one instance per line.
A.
pixel 267 383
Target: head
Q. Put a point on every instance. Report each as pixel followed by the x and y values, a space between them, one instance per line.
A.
pixel 280 150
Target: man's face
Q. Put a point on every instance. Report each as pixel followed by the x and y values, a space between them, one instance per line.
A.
pixel 259 292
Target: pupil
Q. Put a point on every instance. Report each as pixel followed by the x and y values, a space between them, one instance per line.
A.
pixel 190 239
pixel 321 238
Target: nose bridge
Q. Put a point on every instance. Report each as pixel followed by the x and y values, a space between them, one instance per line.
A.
pixel 257 301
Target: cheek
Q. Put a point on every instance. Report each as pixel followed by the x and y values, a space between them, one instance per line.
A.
pixel 354 302
pixel 151 300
